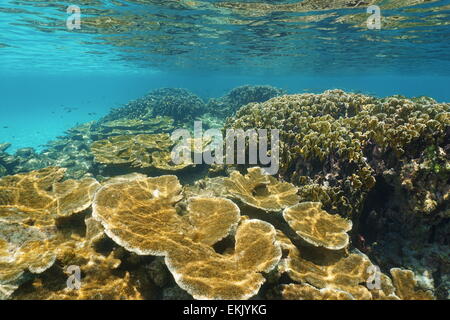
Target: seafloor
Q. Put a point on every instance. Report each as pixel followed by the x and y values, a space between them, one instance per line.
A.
pixel 359 208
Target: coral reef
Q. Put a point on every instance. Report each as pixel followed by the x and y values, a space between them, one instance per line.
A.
pixel 5 159
pixel 383 162
pixel 334 144
pixel 343 276
pixel 179 104
pixel 358 210
pixel 319 153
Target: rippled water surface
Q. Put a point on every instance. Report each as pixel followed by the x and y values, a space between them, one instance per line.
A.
pixel 277 36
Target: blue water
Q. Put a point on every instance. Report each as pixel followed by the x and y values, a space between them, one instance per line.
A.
pixel 52 79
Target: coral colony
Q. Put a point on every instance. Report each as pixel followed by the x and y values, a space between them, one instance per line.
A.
pixel 230 149
pixel 108 198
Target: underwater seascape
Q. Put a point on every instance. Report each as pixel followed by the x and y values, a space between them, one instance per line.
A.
pixel 225 150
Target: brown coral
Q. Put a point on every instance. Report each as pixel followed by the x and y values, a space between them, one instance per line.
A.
pixel 318 227
pixel 142 151
pixel 308 292
pixel 139 214
pixel 406 286
pixel 327 139
pixel 325 270
pixel 208 275
pixel 344 277
pixel 22 248
pixel 345 274
pixel 99 278
pixel 38 194
pixel 29 206
pixel 134 150
pixel 133 127
pixel 260 190
pixel 208 217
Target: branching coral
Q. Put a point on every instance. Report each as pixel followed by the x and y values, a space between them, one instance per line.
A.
pixel 317 145
pixel 139 214
pixel 334 144
pixel 318 227
pixel 238 97
pixel 179 104
pixel 260 190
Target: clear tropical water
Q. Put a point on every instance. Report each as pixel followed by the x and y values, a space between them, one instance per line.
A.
pixel 93 92
pixel 52 78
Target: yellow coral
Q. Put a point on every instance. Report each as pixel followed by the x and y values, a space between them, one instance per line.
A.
pixel 207 275
pixel 339 272
pixel 139 214
pixel 143 151
pixel 135 126
pixel 308 292
pixel 406 286
pixel 346 274
pixel 134 150
pixel 208 217
pixel 261 191
pixel 318 227
pixel 97 279
pixel 30 203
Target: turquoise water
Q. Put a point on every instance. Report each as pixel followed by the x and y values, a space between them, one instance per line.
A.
pixel 52 78
pixel 91 186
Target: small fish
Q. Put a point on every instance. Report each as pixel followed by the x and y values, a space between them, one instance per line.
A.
pixel 69 109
